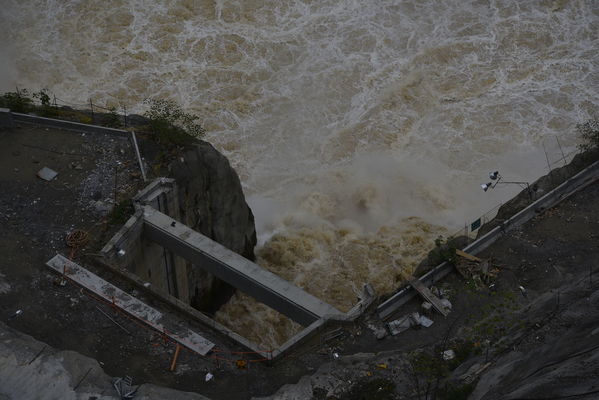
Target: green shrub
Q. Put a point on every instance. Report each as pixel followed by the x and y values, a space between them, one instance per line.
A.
pixel 46 109
pixel 171 124
pixel 18 101
pixel 444 251
pixel 121 212
pixel 113 120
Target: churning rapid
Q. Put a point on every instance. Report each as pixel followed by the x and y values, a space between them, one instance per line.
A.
pixel 361 129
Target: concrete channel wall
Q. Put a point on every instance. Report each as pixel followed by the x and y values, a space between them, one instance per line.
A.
pixel 124 248
pixel 563 191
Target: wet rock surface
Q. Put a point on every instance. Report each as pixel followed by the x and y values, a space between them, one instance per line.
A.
pixel 212 202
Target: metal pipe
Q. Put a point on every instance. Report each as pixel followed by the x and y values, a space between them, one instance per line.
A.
pixel 141 166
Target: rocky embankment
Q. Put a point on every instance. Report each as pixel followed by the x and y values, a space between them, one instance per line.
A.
pixel 33 370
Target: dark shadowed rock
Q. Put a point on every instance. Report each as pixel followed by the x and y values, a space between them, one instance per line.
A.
pixel 212 203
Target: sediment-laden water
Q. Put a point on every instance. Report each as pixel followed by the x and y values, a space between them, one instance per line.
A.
pixel 361 129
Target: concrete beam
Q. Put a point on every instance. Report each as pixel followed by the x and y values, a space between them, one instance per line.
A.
pixel 234 269
pixel 130 305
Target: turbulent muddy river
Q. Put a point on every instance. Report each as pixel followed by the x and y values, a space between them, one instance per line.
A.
pixel 361 130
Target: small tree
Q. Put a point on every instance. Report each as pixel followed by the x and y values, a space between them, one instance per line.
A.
pixel 589 133
pixel 113 119
pixel 171 124
pixel 43 97
pixel 46 108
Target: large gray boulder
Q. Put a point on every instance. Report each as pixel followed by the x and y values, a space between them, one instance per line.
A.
pixel 212 202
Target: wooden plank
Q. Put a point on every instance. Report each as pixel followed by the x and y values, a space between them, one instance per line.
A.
pixel 467 255
pixel 130 305
pixel 427 294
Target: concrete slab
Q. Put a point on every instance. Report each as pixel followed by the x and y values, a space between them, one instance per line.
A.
pixel 47 174
pixel 234 269
pixel 130 304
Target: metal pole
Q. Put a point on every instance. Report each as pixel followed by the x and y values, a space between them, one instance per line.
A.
pixel 125 111
pixel 466 233
pixel 141 165
pixel 116 170
pixel 548 163
pixel 561 150
pixel 116 323
pixel 91 105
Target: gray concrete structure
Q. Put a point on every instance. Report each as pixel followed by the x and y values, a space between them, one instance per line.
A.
pixel 6 120
pixel 129 249
pixel 131 305
pixel 68 125
pixel 257 282
pixel 140 253
pixel 582 179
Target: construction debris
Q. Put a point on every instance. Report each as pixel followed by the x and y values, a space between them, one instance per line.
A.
pixel 476 269
pixel 427 294
pixel 448 355
pixel 47 174
pixel 402 324
pixel 124 388
pixel 446 304
pixel 175 357
pixel 467 256
pixel 424 321
pixel 523 290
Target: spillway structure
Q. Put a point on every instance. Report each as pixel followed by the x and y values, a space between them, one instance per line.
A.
pixel 155 250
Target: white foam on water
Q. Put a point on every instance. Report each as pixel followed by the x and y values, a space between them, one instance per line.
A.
pixel 360 130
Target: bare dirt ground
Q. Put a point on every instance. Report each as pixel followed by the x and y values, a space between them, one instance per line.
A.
pixel 554 257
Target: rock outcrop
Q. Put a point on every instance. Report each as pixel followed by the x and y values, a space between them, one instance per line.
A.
pixel 30 369
pixel 212 203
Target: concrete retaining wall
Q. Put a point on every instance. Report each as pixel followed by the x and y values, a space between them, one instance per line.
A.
pixel 6 120
pixel 68 125
pixel 563 191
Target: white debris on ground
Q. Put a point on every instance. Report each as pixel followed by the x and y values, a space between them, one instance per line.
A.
pixel 406 322
pixel 4 286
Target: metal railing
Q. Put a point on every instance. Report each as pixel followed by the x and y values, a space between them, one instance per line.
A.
pixel 554 161
pixel 98 114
